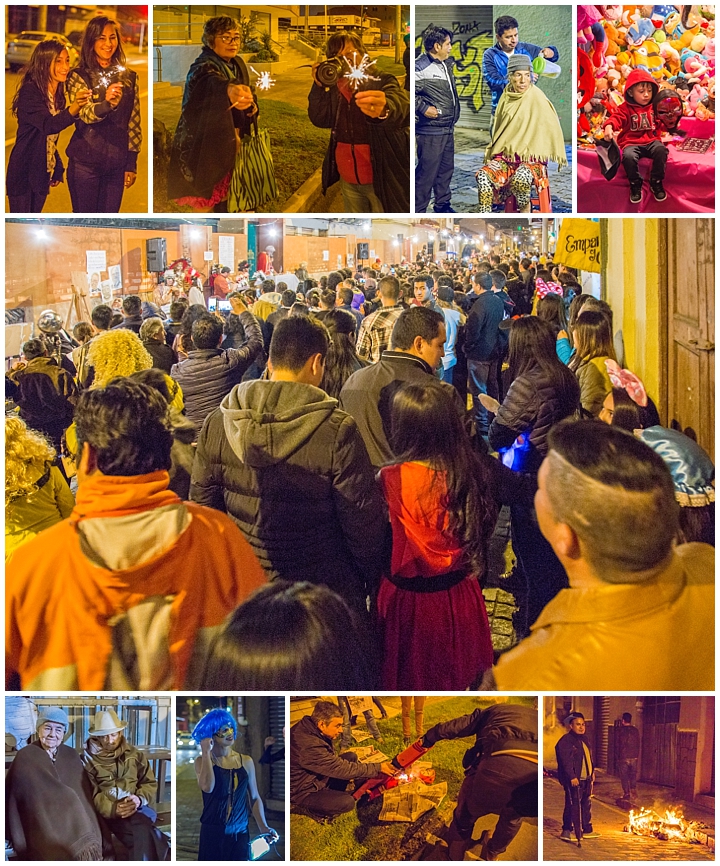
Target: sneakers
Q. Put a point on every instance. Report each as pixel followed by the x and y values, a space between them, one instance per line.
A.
pixel 591 834
pixel 486 852
pixel 636 192
pixel 658 190
pixel 566 836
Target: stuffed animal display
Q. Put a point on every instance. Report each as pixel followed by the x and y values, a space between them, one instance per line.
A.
pixel 674 44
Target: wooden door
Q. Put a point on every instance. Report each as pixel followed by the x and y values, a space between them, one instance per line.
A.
pixel 691 329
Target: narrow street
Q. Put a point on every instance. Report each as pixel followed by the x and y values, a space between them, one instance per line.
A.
pixel 613 843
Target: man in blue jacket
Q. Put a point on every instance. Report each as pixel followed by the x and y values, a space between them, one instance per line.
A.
pixel 437 110
pixel 495 59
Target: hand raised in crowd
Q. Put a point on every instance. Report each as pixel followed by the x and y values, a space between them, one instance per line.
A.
pixel 82 97
pixel 372 103
pixel 240 96
pixel 114 94
pixel 269 741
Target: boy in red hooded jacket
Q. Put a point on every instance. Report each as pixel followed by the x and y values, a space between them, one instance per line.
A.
pixel 638 132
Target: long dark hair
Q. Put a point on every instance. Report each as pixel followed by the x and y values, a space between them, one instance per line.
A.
pixel 532 344
pixel 594 338
pixel 629 416
pixel 92 33
pixel 342 359
pixel 190 316
pixel 551 309
pixel 290 636
pixel 37 72
pixel 425 426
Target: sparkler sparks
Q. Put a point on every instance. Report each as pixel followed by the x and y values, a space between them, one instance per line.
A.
pixel 358 72
pixel 264 82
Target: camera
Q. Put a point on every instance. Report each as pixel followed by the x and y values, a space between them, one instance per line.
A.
pixel 329 72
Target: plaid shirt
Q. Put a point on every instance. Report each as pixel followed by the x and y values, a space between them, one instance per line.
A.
pixel 375 331
pixel 88 115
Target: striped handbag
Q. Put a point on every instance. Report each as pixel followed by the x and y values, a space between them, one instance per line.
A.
pixel 253 180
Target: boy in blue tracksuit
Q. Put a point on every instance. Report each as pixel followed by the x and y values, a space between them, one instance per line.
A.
pixel 495 59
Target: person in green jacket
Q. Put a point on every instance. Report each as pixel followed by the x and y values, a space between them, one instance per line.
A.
pixel 123 788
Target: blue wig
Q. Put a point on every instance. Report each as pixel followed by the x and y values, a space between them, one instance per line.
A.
pixel 211 723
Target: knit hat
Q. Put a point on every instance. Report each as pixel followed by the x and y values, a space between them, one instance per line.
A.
pixel 106 722
pixel 53 714
pixel 519 63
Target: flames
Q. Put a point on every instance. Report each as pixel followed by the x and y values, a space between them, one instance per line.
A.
pixel 669 825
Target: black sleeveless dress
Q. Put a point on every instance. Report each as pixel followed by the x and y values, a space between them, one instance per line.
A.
pixel 224 833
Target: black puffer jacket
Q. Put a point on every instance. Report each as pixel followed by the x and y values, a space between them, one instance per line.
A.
pixel 534 402
pixel 292 471
pixel 313 762
pixel 209 374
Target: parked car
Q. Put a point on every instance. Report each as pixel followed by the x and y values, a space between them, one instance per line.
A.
pixel 19 49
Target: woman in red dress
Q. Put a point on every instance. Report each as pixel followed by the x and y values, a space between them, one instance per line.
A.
pixel 431 609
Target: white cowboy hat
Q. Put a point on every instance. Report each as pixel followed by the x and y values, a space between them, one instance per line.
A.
pixel 106 722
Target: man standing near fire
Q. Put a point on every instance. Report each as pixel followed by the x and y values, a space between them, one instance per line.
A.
pixel 576 773
pixel 628 739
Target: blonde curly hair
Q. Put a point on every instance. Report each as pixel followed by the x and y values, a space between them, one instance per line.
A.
pixel 27 452
pixel 117 353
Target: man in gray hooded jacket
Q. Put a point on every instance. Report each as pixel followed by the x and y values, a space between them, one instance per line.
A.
pixel 292 471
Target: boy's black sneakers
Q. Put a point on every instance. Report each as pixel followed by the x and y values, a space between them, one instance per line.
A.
pixel 658 190
pixel 636 192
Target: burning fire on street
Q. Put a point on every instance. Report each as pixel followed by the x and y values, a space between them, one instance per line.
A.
pixel 670 826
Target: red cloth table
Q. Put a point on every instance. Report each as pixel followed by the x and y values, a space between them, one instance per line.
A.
pixel 689 180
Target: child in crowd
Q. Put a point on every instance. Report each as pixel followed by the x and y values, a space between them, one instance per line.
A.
pixel 637 129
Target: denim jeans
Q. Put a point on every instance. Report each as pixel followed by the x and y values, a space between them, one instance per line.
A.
pixel 346 737
pixel 360 198
pixel 482 379
pixel 94 189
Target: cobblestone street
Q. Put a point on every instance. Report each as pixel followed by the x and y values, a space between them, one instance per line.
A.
pixel 608 820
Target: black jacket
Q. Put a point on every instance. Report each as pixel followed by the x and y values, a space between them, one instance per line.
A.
pixel 207 375
pixel 570 754
pixel 482 332
pixel 106 143
pixel 27 167
pixel 628 741
pixel 367 395
pixel 389 139
pixel 163 356
pixel 204 145
pixel 131 323
pixel 291 470
pixel 435 86
pixel 535 401
pixel 503 726
pixel 313 762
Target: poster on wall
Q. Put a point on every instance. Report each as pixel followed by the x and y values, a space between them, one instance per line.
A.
pixel 93 282
pixel 96 260
pixel 350 260
pixel 226 251
pixel 115 277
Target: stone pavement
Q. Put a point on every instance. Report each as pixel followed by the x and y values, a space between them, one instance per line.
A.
pixel 608 820
pixel 469 157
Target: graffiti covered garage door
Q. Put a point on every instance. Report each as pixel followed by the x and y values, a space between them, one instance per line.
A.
pixel 471 27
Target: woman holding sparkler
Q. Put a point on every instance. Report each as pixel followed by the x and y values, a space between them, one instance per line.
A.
pixel 218 110
pixel 39 106
pixel 103 152
pixel 369 115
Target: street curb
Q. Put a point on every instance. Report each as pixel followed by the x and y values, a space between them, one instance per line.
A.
pixel 302 199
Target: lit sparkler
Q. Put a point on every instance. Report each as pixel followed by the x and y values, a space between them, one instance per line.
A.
pixel 264 82
pixel 357 73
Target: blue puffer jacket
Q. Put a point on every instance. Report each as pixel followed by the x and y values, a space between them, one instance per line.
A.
pixel 209 374
pixel 435 86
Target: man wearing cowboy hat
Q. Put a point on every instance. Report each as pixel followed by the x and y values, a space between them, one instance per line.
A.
pixel 123 787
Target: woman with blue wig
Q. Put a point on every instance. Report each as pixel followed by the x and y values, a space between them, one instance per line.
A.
pixel 226 778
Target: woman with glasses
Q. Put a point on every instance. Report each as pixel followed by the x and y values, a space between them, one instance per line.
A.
pixel 217 111
pixel 226 778
pixel 103 152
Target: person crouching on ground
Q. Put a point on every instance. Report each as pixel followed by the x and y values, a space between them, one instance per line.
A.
pixel 318 777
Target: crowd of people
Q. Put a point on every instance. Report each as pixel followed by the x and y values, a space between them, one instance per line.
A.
pixel 304 498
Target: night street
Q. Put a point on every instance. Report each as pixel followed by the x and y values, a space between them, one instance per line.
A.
pixel 613 844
